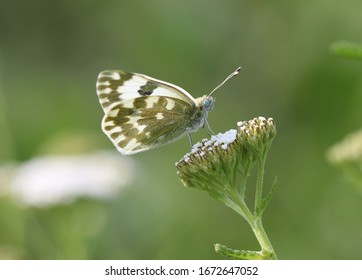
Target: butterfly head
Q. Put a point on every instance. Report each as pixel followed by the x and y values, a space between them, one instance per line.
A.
pixel 205 104
pixel 208 103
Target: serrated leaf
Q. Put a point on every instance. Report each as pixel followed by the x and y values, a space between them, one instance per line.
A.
pixel 267 199
pixel 237 254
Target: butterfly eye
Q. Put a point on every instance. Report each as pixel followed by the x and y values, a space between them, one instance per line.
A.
pixel 208 103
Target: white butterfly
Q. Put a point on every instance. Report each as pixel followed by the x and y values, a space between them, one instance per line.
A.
pixel 142 113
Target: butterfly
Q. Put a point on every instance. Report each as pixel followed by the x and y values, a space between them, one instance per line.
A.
pixel 142 113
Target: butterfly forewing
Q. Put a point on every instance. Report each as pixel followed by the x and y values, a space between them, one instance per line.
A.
pixel 118 85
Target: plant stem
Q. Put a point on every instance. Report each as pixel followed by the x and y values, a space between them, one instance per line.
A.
pixel 238 205
pixel 260 234
pixel 259 185
pixel 255 221
pixel 244 179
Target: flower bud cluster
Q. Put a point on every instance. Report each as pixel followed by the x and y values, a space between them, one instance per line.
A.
pixel 213 164
pixel 257 133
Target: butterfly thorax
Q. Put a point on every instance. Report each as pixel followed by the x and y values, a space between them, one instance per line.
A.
pixel 204 105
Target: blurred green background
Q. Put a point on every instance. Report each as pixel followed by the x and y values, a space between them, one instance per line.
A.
pixel 50 55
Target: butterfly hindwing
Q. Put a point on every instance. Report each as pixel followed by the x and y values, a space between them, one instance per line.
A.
pixel 145 122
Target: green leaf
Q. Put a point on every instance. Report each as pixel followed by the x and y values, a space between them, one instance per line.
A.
pixel 267 199
pixel 238 254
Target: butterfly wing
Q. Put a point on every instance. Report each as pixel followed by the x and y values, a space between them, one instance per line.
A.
pixel 142 112
pixel 118 85
pixel 144 123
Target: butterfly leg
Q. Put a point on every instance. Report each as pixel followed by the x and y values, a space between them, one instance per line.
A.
pixel 190 139
pixel 208 129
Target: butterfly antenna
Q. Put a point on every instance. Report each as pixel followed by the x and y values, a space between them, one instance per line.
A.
pixel 223 82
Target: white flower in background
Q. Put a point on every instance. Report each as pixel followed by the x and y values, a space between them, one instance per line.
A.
pixel 347 156
pixel 49 180
pixel 349 150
